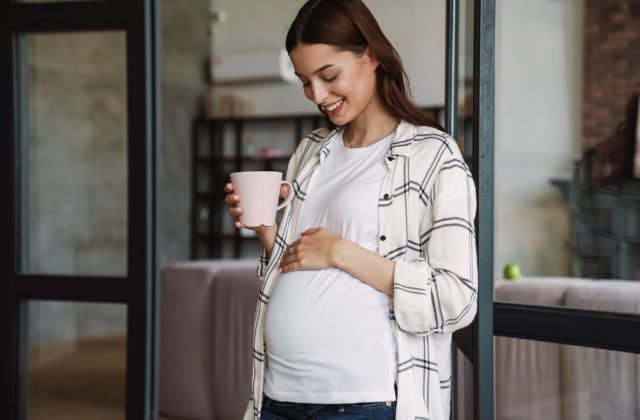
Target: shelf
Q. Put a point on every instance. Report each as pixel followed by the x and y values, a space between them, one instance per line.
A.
pixel 206 195
pixel 261 118
pixel 286 117
pixel 232 159
pixel 226 236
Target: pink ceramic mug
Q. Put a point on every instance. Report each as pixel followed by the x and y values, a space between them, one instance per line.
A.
pixel 259 194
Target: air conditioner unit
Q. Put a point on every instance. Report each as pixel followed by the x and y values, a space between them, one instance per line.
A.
pixel 252 67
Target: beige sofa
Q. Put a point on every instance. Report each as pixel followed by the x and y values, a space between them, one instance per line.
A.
pixel 536 380
pixel 205 341
pixel 207 321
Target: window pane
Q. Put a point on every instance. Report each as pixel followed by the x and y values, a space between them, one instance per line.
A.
pixel 74 149
pixel 76 361
pixel 567 196
pixel 536 380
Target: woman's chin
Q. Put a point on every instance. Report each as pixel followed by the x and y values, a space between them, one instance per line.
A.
pixel 339 119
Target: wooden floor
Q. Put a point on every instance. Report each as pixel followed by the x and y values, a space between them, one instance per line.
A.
pixel 80 380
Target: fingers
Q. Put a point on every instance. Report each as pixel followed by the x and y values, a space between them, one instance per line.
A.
pixel 232 199
pixel 291 267
pixel 290 262
pixel 235 211
pixel 284 190
pixel 291 246
pixel 290 255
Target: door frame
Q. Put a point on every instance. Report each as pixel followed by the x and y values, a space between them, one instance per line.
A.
pixel 139 289
pixel 478 336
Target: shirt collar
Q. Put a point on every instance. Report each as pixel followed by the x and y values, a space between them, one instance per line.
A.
pixel 403 139
pixel 324 150
pixel 400 144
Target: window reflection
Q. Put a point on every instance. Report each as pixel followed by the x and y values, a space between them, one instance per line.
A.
pixel 567 185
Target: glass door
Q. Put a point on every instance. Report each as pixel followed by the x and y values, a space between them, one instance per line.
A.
pixel 80 158
pixel 567 203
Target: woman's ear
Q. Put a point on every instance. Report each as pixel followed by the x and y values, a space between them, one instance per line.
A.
pixel 369 59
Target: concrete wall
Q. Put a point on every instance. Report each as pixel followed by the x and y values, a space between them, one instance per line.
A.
pixel 75 149
pixel 185 53
pixel 76 159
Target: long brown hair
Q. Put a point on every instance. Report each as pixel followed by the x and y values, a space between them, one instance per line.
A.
pixel 348 25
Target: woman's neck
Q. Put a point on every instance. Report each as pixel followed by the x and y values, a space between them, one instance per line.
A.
pixel 369 127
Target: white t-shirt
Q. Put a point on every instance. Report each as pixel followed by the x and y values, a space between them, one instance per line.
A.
pixel 328 335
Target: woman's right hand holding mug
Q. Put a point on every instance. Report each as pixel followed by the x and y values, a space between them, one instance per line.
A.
pixel 266 234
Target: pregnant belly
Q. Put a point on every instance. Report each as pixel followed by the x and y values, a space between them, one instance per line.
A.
pixel 312 312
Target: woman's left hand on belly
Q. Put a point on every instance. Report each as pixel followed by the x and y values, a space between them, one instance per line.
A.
pixel 315 250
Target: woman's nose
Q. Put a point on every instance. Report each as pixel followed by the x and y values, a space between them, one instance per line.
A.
pixel 319 94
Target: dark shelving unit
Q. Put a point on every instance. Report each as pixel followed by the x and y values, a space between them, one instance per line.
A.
pixel 211 165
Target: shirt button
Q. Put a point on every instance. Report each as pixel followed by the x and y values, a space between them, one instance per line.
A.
pixel 390 158
pixel 386 196
pixel 383 238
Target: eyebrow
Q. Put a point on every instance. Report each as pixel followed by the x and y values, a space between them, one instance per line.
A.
pixel 326 66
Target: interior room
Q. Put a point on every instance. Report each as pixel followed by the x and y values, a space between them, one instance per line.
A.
pixel 566 195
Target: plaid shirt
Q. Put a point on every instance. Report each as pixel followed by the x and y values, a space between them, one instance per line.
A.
pixel 426 214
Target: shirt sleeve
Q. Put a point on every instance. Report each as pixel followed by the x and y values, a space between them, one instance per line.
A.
pixel 438 293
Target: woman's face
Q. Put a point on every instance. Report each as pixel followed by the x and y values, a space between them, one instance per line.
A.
pixel 341 83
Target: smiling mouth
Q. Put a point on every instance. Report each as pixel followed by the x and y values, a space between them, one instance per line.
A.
pixel 333 107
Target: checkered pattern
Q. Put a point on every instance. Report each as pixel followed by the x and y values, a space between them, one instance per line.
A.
pixel 426 217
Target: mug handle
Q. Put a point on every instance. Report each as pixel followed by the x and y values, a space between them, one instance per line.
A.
pixel 287 200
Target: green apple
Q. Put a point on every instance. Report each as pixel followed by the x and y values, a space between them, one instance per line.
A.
pixel 512 271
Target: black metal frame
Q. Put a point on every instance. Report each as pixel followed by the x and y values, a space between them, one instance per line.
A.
pixel 579 327
pixel 139 289
pixel 483 163
pixel 451 125
pixel 451 71
pixel 482 168
pixel 598 329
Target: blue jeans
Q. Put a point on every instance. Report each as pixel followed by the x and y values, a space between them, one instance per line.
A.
pixel 277 410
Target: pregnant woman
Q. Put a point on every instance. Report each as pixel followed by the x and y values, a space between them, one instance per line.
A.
pixel 373 265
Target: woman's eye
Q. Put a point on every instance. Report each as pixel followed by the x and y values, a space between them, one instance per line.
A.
pixel 331 79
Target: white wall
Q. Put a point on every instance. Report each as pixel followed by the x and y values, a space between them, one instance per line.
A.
pixel 415 27
pixel 538 94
